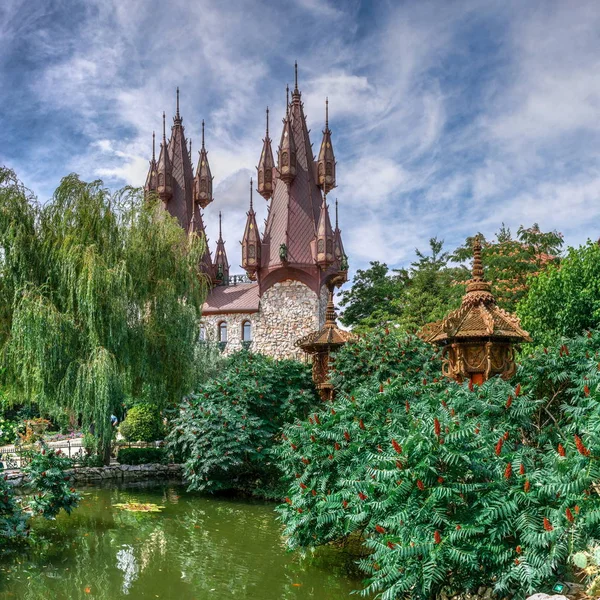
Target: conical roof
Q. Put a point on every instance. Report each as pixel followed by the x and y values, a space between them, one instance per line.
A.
pixel 478 317
pixel 330 336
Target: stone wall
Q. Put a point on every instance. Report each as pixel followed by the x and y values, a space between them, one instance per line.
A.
pixel 288 310
pixel 234 329
pixel 110 473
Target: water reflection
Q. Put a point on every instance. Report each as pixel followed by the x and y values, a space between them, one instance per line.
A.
pixel 196 548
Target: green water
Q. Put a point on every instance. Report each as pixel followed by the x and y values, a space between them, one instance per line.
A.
pixel 196 548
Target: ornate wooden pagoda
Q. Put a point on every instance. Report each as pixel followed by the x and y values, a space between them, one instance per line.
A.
pixel 321 344
pixel 477 338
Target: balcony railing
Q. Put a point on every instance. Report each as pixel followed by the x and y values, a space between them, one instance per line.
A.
pixel 234 280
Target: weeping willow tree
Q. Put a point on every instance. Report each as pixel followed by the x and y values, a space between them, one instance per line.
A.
pixel 100 300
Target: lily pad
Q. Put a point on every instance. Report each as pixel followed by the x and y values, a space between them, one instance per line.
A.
pixel 139 507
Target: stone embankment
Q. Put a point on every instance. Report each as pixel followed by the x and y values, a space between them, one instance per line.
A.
pixel 114 473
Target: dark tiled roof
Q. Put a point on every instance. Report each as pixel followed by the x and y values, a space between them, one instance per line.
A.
pixel 242 297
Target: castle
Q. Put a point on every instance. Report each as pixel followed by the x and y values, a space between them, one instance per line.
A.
pixel 290 267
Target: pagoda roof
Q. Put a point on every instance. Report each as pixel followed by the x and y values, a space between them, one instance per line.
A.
pixel 478 317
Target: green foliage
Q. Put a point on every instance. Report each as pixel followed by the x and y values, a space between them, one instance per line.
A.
pixel 50 492
pixel 510 262
pixel 101 300
pixel 409 298
pixel 143 423
pixel 52 487
pixel 565 300
pixel 448 485
pixel 141 456
pixel 226 431
pixel 8 431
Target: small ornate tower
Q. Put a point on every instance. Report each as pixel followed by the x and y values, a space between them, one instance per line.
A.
pixel 203 179
pixel 326 161
pixel 251 245
pixel 478 338
pixel 287 147
pixel 152 179
pixel 324 239
pixel 221 262
pixel 266 166
pixel 164 187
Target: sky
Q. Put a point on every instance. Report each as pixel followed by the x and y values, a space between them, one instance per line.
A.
pixel 449 117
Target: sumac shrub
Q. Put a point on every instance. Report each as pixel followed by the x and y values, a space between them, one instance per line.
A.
pixel 226 431
pixel 143 423
pixel 447 485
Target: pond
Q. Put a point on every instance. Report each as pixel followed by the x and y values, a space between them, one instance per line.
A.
pixel 195 548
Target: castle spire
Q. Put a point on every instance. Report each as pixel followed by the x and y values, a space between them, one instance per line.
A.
pixel 287 147
pixel 178 119
pixel 151 184
pixel 265 166
pixel 251 245
pixel 296 93
pixel 221 262
pixel 338 246
pixel 190 149
pixel 324 239
pixel 164 187
pixel 326 160
pixel 203 186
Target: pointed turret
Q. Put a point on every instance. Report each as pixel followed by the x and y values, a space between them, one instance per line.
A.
pixel 338 246
pixel 287 147
pixel 266 166
pixel 221 262
pixel 152 179
pixel 251 243
pixel 324 239
pixel 326 161
pixel 203 179
pixel 164 187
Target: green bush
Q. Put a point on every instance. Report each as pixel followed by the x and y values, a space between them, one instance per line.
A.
pixel 226 431
pixel 8 431
pixel 143 423
pixel 449 485
pixel 141 456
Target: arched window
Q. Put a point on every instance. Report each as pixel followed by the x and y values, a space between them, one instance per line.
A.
pixel 161 179
pixel 328 169
pixel 320 168
pixel 223 332
pixel 246 331
pixel 260 177
pixel 203 185
pixel 251 251
pixel 202 334
pixel 320 246
pixel 284 159
pixel 268 176
pixel 329 246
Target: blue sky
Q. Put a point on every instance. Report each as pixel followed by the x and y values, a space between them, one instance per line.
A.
pixel 448 117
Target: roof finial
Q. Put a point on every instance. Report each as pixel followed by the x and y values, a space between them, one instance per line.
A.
pixel 267 122
pixel 326 114
pixel 177 113
pixel 477 263
pixel 202 134
pixel 190 148
pixel 296 76
pixel 164 129
pixel 287 100
pixel 330 315
pixel 153 146
pixel 251 208
pixel 220 232
pixel 336 213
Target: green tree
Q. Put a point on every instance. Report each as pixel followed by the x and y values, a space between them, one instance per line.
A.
pixel 565 299
pixel 225 432
pixel 369 302
pixel 102 301
pixel 511 262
